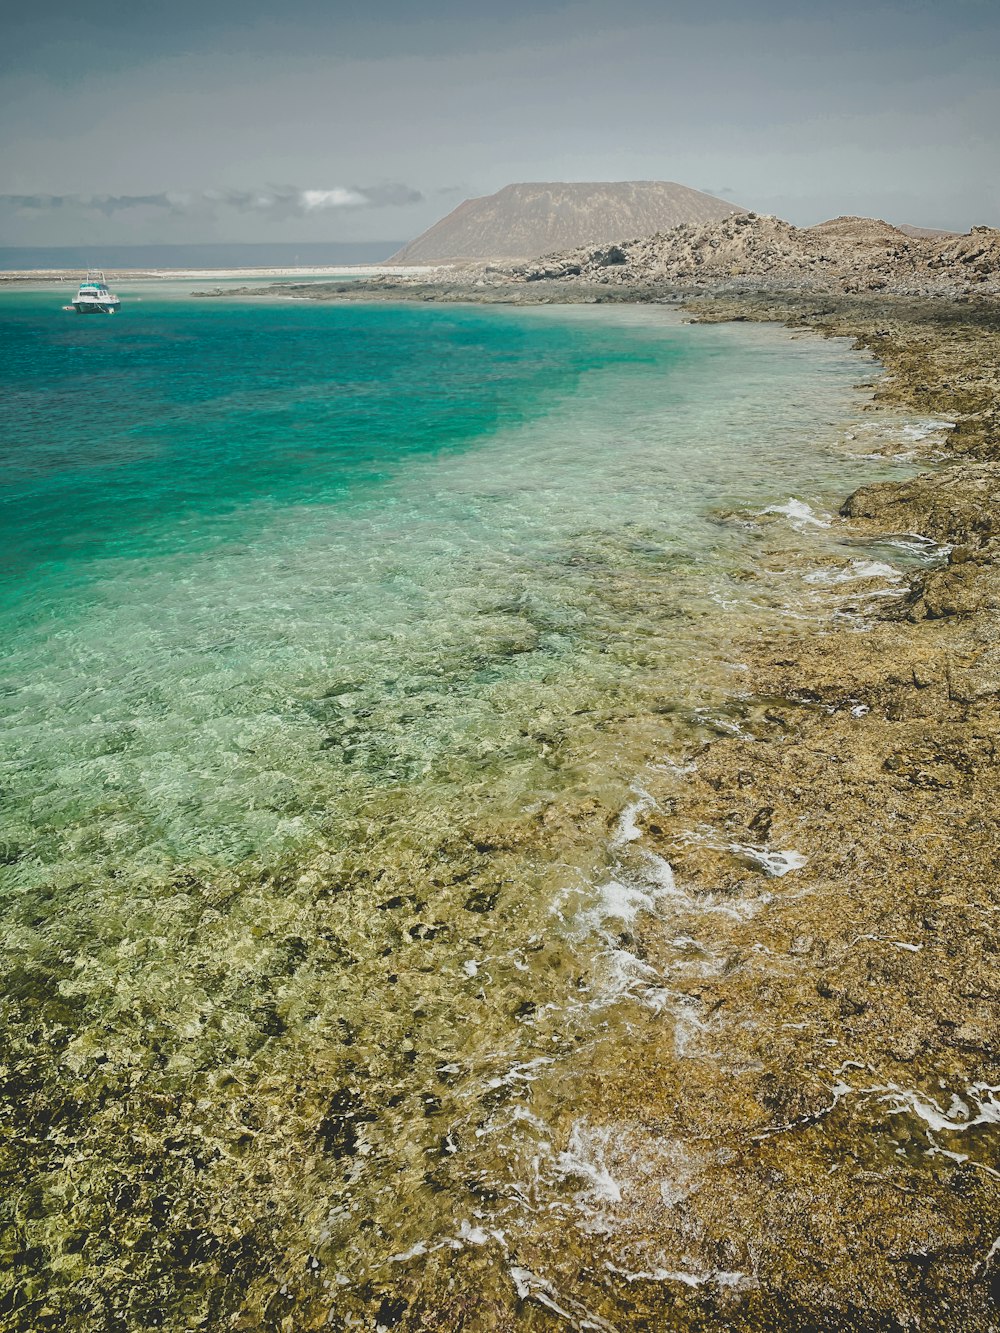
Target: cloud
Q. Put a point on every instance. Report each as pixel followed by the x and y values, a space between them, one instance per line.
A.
pixel 311 200
pixel 283 201
pixel 96 203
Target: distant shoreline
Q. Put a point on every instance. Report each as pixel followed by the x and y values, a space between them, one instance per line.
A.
pixel 47 277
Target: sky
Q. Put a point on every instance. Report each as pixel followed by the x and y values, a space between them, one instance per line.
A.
pixel 240 120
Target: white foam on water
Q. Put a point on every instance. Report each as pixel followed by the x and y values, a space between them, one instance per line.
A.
pixel 468 1234
pixel 774 863
pixel 620 975
pixel 846 1064
pixel 838 1092
pixel 624 974
pixel 618 901
pixel 802 515
pixel 857 569
pixel 689 1026
pixel 714 1276
pixel 706 903
pixel 661 872
pixel 727 725
pixel 895 944
pixel 472 1235
pixel 916 544
pixel 956 1119
pixel 906 457
pixel 521 1112
pixel 529 1286
pixel 584 1159
pixel 633 890
pixel 524 1071
pixel 924 430
pixel 887 436
pixel 414 1252
pixel 974 1108
pixel 647 885
pixel 523 1278
pixel 674 767
pixel 627 829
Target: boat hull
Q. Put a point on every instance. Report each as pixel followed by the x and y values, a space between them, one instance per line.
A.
pixel 95 307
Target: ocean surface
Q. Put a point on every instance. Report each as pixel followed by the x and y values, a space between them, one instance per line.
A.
pixel 264 255
pixel 335 641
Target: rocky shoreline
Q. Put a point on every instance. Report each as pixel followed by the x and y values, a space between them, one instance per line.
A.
pixel 742 254
pixel 860 1012
pixel 851 1159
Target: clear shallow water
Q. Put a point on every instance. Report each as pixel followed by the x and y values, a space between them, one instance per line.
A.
pixel 229 526
pixel 334 638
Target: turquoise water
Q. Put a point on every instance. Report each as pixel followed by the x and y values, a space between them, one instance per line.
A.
pixel 218 512
pixel 148 432
pixel 334 638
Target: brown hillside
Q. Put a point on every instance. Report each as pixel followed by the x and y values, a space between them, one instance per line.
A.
pixel 858 231
pixel 524 221
pixel 910 230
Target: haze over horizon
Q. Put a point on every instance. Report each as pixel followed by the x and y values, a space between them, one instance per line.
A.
pixel 219 122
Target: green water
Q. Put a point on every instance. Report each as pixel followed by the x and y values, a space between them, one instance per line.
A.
pixel 334 642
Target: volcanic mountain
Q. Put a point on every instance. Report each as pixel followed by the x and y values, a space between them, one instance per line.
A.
pixel 524 221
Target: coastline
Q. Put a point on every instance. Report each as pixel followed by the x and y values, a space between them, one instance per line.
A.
pixel 860 1011
pixel 864 1009
pixel 855 1122
pixel 57 276
pixel 832 1170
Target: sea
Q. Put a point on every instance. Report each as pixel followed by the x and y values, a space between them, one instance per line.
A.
pixel 217 255
pixel 336 641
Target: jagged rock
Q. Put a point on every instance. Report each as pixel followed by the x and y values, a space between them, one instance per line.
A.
pixel 846 253
pixel 960 505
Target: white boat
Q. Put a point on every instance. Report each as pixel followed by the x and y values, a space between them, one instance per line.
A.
pixel 93 298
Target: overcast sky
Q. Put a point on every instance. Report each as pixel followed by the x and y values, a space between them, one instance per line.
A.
pixel 215 120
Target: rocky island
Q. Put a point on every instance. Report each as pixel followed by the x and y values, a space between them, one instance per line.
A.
pixel 524 220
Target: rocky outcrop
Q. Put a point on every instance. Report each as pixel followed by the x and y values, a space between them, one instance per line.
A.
pixel 959 505
pixel 846 254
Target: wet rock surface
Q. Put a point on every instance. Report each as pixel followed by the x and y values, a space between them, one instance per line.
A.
pixel 855 999
pixel 860 1003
